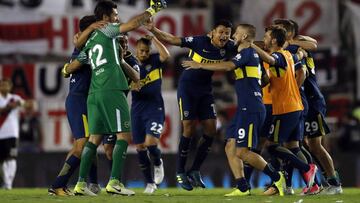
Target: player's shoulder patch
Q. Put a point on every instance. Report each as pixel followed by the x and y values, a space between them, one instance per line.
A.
pixel 238 57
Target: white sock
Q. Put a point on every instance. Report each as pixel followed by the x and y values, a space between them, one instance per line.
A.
pixel 9 171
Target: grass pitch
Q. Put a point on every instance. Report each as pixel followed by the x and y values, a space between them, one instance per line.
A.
pixel 177 195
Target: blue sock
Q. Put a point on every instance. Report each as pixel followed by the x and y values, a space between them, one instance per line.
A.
pixel 203 149
pixel 93 176
pixel 155 154
pixel 242 184
pixel 182 154
pixel 66 172
pixel 271 172
pixel 286 155
pixel 144 162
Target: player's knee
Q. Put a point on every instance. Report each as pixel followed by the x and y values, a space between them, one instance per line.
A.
pixel 141 147
pixel 242 152
pixel 108 151
pixel 188 128
pixel 229 148
pixel 124 136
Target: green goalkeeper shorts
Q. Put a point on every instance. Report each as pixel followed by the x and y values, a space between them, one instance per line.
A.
pixel 108 112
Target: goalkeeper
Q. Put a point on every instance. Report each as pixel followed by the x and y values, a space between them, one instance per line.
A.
pixel 107 106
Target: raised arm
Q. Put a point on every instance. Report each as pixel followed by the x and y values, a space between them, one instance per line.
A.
pixel 263 55
pixel 163 36
pixel 307 45
pixel 163 51
pixel 222 66
pixel 129 71
pixel 137 21
pixel 81 37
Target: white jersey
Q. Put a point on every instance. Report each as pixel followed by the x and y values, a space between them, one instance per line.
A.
pixel 9 122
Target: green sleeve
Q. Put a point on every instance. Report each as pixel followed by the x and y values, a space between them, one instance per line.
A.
pixel 112 30
pixel 83 58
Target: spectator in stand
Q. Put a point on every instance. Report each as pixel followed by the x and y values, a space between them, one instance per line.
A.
pixel 31 134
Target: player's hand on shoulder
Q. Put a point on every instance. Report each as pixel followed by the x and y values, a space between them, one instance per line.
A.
pixel 191 65
pixel 98 25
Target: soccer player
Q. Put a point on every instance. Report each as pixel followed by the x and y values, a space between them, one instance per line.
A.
pixel 77 116
pixel 147 110
pixel 287 106
pixel 9 132
pixel 250 114
pixel 195 96
pixel 293 46
pixel 316 127
pixel 106 103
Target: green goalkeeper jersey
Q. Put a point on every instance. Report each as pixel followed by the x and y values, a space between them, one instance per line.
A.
pixel 102 52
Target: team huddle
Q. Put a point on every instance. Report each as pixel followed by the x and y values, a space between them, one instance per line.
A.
pixel 280 108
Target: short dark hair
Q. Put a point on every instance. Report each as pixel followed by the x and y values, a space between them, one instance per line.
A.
pixel 144 40
pixel 296 27
pixel 225 23
pixel 285 23
pixel 250 29
pixel 277 33
pixel 104 7
pixel 86 21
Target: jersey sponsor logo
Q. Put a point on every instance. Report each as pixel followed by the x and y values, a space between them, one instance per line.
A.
pixel 101 70
pixel 148 68
pixel 257 94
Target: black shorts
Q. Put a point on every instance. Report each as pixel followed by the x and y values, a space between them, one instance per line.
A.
pixel 8 148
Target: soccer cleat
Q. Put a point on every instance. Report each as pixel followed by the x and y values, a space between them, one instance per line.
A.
pixel 60 192
pixel 289 191
pixel 195 179
pixel 150 188
pixel 332 190
pixel 159 173
pixel 81 189
pixel 115 187
pixel 237 193
pixel 183 181
pixel 280 184
pixel 310 175
pixel 95 188
pixel 272 190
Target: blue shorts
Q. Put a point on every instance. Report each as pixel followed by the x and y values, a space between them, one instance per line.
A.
pixel 76 112
pixel 245 127
pixel 109 139
pixel 265 130
pixel 287 127
pixel 143 125
pixel 195 104
pixel 315 124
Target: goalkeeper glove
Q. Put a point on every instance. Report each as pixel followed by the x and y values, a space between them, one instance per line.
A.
pixel 64 72
pixel 156 6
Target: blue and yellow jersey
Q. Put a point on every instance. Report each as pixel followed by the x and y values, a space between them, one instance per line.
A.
pixel 202 51
pixel 284 90
pixel 312 89
pixel 80 80
pixel 248 80
pixel 149 98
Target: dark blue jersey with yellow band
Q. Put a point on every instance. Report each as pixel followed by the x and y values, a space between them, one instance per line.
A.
pixel 293 49
pixel 133 62
pixel 312 89
pixel 202 51
pixel 80 80
pixel 149 98
pixel 247 81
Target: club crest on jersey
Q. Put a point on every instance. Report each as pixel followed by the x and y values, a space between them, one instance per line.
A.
pixel 148 68
pixel 222 52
